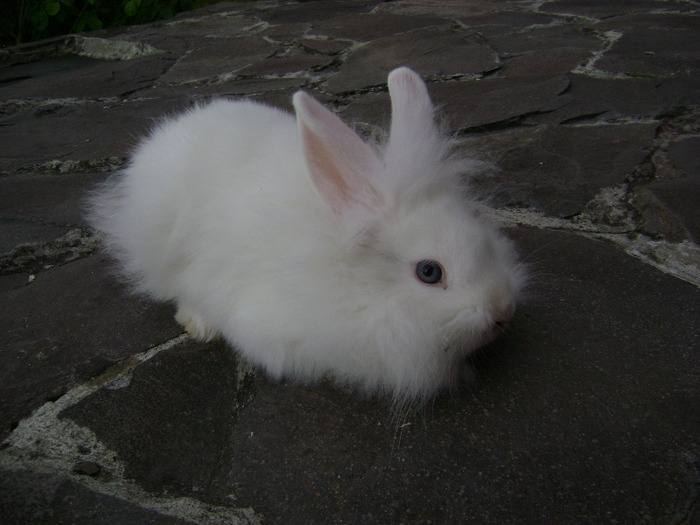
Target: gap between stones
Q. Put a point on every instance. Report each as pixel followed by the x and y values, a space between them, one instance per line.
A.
pixel 44 443
pixel 35 257
pixel 681 260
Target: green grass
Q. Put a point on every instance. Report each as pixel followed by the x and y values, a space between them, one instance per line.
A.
pixel 30 20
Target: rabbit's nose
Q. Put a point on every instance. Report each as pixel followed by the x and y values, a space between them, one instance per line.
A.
pixel 502 318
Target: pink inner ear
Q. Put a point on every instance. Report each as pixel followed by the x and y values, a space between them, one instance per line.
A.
pixel 339 162
pixel 324 173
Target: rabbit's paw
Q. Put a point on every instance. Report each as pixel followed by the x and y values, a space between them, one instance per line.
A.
pixel 195 326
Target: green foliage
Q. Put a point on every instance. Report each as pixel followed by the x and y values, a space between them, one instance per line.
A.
pixel 28 20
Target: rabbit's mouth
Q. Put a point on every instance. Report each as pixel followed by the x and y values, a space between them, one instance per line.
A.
pixel 467 339
pixel 467 325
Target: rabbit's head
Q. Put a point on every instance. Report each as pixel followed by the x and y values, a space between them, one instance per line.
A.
pixel 416 278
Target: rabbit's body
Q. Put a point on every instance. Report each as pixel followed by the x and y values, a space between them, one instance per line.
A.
pixel 300 244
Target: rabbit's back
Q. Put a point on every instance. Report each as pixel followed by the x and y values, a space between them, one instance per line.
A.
pixel 211 179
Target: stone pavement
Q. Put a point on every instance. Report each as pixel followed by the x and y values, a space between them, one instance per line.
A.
pixel 585 411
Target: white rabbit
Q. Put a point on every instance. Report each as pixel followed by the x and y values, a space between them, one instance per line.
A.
pixel 312 252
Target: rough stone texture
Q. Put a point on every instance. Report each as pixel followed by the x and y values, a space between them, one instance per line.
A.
pixel 84 130
pixel 435 51
pixel 219 57
pixel 665 53
pixel 170 407
pixel 27 498
pixel 52 198
pixel 80 77
pixel 68 325
pixel 558 170
pixel 587 116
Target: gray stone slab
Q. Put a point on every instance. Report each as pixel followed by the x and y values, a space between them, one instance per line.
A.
pixel 68 325
pixel 219 57
pixel 603 9
pixel 28 498
pixel 497 102
pixel 291 32
pixel 472 106
pixel 63 130
pixel 79 77
pixel 295 61
pixel 276 92
pixel 192 29
pixel 548 37
pixel 655 217
pixel 668 20
pixel 371 108
pixel 184 96
pixel 224 9
pixel 654 53
pixel 12 281
pixel 40 208
pixel 545 62
pixel 56 198
pixel 558 169
pixel 42 68
pixel 200 26
pixel 172 423
pixel 430 51
pixel 293 13
pixel 19 231
pixel 641 98
pixel 680 197
pixel 684 155
pixel 368 27
pixel 322 45
pixel 491 24
pixel 452 8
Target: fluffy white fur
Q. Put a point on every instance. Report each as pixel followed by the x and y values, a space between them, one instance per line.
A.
pixel 298 242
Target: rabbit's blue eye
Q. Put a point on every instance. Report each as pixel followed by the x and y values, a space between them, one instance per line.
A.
pixel 430 272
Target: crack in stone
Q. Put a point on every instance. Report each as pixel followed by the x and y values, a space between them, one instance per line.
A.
pixel 681 260
pixel 34 257
pixel 615 121
pixel 46 443
pixel 609 38
pixel 582 119
pixel 509 123
pixel 104 165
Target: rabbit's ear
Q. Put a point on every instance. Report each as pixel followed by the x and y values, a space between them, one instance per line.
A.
pixel 338 160
pixel 412 121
